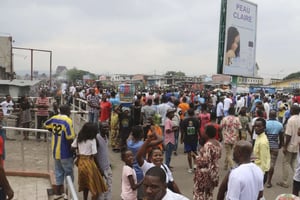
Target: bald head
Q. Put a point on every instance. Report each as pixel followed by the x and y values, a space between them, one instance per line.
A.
pixel 272 114
pixel 242 152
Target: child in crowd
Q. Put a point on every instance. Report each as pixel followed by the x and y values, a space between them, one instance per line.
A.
pixel 134 143
pixel 129 179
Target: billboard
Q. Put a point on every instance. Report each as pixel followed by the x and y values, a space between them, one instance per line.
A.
pixel 6 53
pixel 240 38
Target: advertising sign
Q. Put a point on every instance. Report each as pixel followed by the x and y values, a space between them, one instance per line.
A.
pixel 126 92
pixel 240 38
pixel 5 53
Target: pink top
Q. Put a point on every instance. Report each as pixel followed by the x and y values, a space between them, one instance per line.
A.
pixel 169 137
pixel 127 192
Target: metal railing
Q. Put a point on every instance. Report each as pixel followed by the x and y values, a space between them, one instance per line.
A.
pixel 71 192
pixel 22 147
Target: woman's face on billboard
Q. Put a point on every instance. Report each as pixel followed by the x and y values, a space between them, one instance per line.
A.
pixel 236 43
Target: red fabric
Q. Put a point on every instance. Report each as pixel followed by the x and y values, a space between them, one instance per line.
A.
pixel 217 127
pixel 296 99
pixel 105 109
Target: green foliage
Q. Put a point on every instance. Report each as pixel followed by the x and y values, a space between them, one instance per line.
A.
pixel 75 74
pixel 173 73
pixel 292 75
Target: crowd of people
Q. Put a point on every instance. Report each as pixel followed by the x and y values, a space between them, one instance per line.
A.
pixel 205 122
pixel 251 128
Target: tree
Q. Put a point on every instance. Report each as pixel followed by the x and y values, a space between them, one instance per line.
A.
pixel 75 74
pixel 180 73
pixel 293 75
pixel 173 73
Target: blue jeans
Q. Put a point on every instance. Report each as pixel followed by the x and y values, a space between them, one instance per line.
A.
pixel 94 117
pixel 63 168
pixel 169 150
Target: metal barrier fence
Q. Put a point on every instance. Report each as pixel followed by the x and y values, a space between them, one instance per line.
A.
pixel 33 166
pixel 71 192
pixel 32 156
pixel 27 151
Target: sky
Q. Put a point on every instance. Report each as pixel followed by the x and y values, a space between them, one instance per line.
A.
pixel 144 36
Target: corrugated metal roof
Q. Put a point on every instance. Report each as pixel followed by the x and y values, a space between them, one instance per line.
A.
pixel 19 82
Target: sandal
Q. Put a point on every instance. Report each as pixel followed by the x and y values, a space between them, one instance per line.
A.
pixel 269 185
pixel 281 184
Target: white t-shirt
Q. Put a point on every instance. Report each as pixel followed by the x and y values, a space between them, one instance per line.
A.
pixel 267 109
pixel 146 166
pixel 72 89
pixel 220 109
pixel 173 196
pixel 127 192
pixel 88 147
pixel 239 105
pixel 162 110
pixel 227 102
pixel 7 107
pixel 246 186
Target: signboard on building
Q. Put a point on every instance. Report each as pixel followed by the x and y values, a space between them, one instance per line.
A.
pixel 220 78
pixel 6 53
pixel 240 38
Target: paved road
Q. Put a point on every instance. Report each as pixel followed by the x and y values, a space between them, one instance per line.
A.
pixel 185 180
pixel 36 160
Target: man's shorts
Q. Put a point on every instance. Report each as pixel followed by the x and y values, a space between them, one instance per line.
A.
pixel 190 147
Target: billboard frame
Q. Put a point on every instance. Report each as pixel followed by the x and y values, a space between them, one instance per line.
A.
pixel 246 64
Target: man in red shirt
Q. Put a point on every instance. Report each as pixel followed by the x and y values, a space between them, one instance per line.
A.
pixel 105 109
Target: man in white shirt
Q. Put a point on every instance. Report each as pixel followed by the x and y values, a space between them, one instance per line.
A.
pixel 220 110
pixel 266 106
pixel 7 108
pixel 155 187
pixel 227 103
pixel 162 110
pixel 239 104
pixel 250 185
pixel 7 105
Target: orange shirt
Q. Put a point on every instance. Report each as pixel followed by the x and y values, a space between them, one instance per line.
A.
pixel 184 107
pixel 159 132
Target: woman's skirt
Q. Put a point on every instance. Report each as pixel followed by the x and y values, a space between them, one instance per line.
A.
pixel 89 176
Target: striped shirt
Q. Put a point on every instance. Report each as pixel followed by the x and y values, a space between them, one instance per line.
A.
pixel 273 129
pixel 93 102
pixel 62 136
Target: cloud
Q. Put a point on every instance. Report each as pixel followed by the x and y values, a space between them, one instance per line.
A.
pixel 142 36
